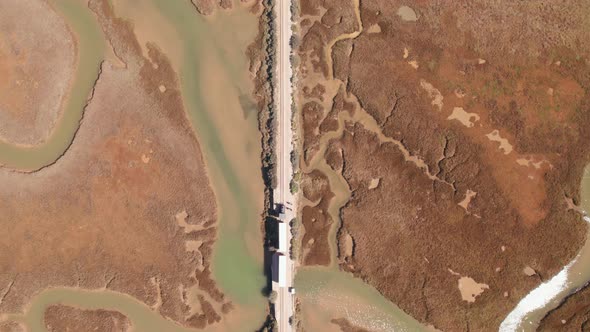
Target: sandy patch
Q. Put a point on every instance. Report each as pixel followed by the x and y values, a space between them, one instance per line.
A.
pixel 531 162
pixel 348 245
pixel 375 28
pixel 414 64
pixel 470 289
pixel 467 119
pixel 469 195
pixel 407 14
pixel 374 183
pixel 193 245
pixel 181 220
pixel 433 93
pixel 529 271
pixel 505 146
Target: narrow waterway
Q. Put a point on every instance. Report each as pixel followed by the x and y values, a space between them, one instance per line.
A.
pixel 215 85
pixel 528 313
pixel 90 48
pixel 141 316
pixel 326 293
pixel 209 55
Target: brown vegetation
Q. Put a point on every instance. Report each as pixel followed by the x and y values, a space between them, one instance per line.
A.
pixel 113 211
pixel 35 73
pixel 316 220
pixel 60 318
pixel 437 110
pixel 11 326
pixel 571 315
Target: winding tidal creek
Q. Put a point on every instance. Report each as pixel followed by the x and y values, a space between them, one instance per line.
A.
pixel 216 88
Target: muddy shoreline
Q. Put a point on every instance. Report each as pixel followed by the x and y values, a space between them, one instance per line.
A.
pixel 30 121
pixel 458 152
pixel 137 139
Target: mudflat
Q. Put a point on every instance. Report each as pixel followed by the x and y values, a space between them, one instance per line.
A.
pixel 459 141
pixel 128 207
pixel 37 65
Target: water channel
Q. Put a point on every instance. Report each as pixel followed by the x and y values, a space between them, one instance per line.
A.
pixel 528 313
pixel 326 293
pixel 216 88
pixel 215 82
pixel 90 54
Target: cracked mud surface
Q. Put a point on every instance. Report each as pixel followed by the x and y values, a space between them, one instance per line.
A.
pixel 516 145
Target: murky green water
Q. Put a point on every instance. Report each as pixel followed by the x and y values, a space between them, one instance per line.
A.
pixel 586 190
pixel 327 293
pixel 209 54
pixel 235 269
pixel 90 54
pixel 141 316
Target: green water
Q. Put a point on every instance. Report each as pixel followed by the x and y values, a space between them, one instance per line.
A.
pixel 237 257
pixel 585 191
pixel 141 316
pixel 235 270
pixel 90 54
pixel 329 293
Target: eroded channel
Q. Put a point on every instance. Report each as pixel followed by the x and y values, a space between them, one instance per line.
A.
pixel 216 87
pixel 326 293
pixel 90 49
